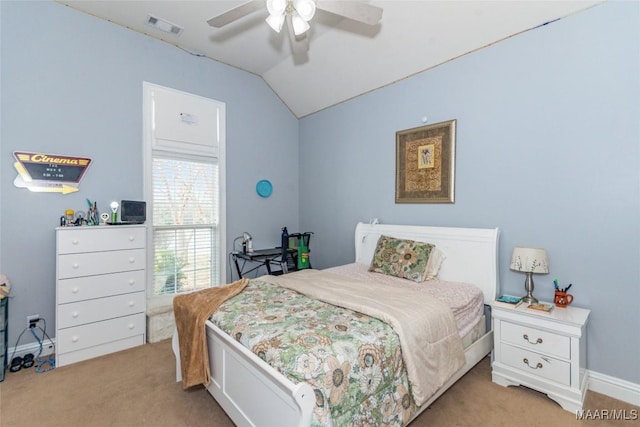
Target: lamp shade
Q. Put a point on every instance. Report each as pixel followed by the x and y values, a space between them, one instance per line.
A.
pixel 529 260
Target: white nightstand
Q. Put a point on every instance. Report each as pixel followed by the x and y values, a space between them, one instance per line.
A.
pixel 543 351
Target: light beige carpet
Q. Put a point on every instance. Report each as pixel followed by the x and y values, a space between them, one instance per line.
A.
pixel 137 388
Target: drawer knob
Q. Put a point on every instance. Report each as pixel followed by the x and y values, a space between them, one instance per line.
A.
pixel 74 339
pixel 74 241
pixel 131 303
pixel 76 265
pixel 526 361
pixel 131 282
pixel 75 290
pixel 131 238
pixel 526 337
pixel 131 326
pixel 75 314
pixel 132 260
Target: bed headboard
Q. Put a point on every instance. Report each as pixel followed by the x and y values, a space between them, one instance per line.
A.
pixel 471 254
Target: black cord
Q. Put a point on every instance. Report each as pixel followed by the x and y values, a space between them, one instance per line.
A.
pixel 51 359
pixel 17 342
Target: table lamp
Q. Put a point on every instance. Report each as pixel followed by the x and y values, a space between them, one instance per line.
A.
pixel 529 260
pixel 247 241
pixel 114 211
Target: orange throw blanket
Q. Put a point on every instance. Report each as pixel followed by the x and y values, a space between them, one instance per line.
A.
pixel 191 311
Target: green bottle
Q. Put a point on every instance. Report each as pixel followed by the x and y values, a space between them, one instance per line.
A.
pixel 303 255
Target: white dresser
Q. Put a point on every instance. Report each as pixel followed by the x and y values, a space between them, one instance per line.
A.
pixel 543 351
pixel 100 290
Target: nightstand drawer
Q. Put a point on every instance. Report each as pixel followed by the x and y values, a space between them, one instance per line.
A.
pixel 533 363
pixel 536 339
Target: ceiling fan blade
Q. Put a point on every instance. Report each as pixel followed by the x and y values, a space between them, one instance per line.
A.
pixel 357 11
pixel 236 13
pixel 299 44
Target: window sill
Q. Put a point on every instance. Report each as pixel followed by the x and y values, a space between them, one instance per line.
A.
pixel 159 304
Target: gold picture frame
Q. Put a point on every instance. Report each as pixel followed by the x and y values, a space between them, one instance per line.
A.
pixel 425 163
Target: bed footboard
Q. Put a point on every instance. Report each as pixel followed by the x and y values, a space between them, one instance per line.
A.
pixel 250 391
pixel 254 394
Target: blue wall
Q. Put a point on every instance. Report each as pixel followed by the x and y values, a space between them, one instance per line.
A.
pixel 548 138
pixel 72 84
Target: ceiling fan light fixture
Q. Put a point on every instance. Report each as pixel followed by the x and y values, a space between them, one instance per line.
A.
pixel 300 26
pixel 276 7
pixel 275 22
pixel 305 8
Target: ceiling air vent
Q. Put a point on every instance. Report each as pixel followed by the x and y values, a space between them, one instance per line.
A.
pixel 164 25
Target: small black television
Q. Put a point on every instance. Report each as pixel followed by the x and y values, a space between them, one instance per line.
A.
pixel 133 211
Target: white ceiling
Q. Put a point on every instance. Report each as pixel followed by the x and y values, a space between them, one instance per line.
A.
pixel 345 58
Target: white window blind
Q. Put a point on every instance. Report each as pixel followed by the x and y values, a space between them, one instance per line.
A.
pixel 185 224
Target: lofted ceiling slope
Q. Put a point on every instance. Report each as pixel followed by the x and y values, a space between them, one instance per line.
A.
pixel 345 58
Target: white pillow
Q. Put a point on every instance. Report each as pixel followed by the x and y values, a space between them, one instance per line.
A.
pixel 433 264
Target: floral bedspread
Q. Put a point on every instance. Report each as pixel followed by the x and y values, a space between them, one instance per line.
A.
pixel 351 360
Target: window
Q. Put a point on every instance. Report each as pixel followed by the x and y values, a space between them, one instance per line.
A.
pixel 185 214
pixel 184 190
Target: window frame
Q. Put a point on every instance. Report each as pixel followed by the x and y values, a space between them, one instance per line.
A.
pixel 181 151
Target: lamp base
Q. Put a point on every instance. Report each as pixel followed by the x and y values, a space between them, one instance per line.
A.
pixel 528 286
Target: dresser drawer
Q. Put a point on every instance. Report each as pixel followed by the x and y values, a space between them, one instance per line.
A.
pixel 88 264
pixel 63 359
pixel 536 364
pixel 95 310
pixel 103 238
pixel 85 336
pixel 104 285
pixel 536 339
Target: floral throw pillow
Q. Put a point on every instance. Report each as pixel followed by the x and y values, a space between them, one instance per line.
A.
pixel 401 258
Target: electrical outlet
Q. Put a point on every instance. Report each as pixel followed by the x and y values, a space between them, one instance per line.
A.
pixel 32 320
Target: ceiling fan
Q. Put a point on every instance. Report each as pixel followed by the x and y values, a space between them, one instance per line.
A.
pixel 297 14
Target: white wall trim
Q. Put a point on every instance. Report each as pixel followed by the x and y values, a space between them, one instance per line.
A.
pixel 615 387
pixel 32 347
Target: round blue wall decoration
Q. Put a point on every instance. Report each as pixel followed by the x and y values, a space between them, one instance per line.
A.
pixel 264 188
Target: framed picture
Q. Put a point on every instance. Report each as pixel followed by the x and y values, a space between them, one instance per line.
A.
pixel 425 163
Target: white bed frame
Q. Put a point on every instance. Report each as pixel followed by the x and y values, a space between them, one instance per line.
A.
pixel 253 393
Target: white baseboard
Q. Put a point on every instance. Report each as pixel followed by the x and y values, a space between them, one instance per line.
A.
pixel 615 387
pixel 33 348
